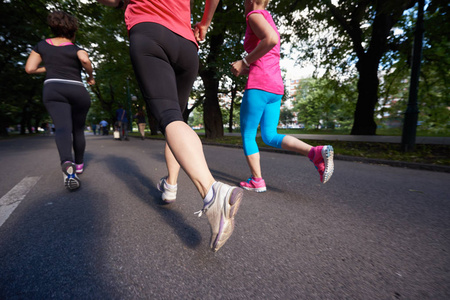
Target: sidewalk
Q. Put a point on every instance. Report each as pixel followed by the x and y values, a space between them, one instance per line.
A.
pixel 367 138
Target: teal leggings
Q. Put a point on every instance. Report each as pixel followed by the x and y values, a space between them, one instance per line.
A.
pixel 260 107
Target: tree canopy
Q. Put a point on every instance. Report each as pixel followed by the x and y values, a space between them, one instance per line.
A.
pixel 364 46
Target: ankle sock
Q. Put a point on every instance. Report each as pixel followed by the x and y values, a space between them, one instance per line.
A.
pixel 209 195
pixel 170 186
pixel 256 179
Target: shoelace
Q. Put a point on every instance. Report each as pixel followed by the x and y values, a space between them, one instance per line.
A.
pixel 200 212
pixel 205 207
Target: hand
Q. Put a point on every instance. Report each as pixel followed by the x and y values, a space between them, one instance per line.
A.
pixel 200 31
pixel 239 68
pixel 91 80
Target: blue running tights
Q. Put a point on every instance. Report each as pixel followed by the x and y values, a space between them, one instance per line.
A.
pixel 260 107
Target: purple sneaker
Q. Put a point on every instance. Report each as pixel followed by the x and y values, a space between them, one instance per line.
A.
pixel 221 211
pixel 168 195
pixel 79 168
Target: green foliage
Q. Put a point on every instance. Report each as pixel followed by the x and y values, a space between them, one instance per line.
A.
pixel 314 27
pixel 325 103
pixel 21 93
pixel 434 91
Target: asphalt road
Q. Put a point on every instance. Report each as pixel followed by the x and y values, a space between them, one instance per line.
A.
pixel 371 232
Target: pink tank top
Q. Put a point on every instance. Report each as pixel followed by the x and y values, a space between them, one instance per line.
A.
pixel 174 15
pixel 265 73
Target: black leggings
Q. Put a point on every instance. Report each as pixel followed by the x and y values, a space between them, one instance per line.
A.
pixel 68 105
pixel 166 66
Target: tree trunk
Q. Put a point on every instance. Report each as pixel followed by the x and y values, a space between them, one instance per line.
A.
pixel 212 115
pixel 364 123
pixel 230 120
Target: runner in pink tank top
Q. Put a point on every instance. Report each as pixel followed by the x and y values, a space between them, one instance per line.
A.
pixel 262 98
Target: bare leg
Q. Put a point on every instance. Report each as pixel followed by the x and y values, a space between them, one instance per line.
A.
pixel 188 151
pixel 173 167
pixel 142 129
pixel 253 161
pixel 293 144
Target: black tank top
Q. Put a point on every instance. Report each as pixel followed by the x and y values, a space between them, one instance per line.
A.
pixel 61 62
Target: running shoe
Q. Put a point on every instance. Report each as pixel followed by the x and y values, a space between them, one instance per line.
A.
pixel 79 168
pixel 221 211
pixel 252 185
pixel 322 157
pixel 71 180
pixel 169 195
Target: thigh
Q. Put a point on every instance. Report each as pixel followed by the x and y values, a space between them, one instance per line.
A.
pixel 57 105
pixel 165 69
pixel 271 115
pixel 252 109
pixel 186 70
pixel 80 101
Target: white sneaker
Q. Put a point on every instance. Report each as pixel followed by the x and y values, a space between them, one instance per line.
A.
pixel 71 180
pixel 169 195
pixel 221 211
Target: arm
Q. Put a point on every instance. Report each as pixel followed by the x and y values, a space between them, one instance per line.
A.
pixel 201 27
pixel 119 4
pixel 33 62
pixel 268 39
pixel 112 3
pixel 86 63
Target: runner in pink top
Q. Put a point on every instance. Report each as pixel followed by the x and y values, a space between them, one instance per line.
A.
pixel 163 50
pixel 174 15
pixel 262 97
pixel 265 73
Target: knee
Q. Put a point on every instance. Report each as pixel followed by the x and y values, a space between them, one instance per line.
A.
pixel 267 137
pixel 272 139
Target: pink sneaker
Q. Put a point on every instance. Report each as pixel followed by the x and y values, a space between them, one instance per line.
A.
pixel 322 157
pixel 79 168
pixel 252 185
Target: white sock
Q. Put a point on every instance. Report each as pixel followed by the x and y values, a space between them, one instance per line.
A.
pixel 169 186
pixel 209 195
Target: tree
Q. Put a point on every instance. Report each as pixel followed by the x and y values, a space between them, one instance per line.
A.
pixel 21 93
pixel 434 91
pixel 360 33
pixel 222 46
pixel 323 102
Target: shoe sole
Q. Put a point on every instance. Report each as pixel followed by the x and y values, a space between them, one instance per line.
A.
pixel 258 190
pixel 226 221
pixel 328 156
pixel 71 182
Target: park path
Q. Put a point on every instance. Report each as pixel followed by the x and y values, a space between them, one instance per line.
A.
pixel 371 232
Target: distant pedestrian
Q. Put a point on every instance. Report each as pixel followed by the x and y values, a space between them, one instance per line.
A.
pixel 122 122
pixel 104 127
pixel 163 50
pixel 262 97
pixel 140 119
pixel 64 95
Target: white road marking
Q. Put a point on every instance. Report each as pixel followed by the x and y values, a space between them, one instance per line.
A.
pixel 12 199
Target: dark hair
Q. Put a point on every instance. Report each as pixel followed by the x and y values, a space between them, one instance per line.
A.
pixel 62 24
